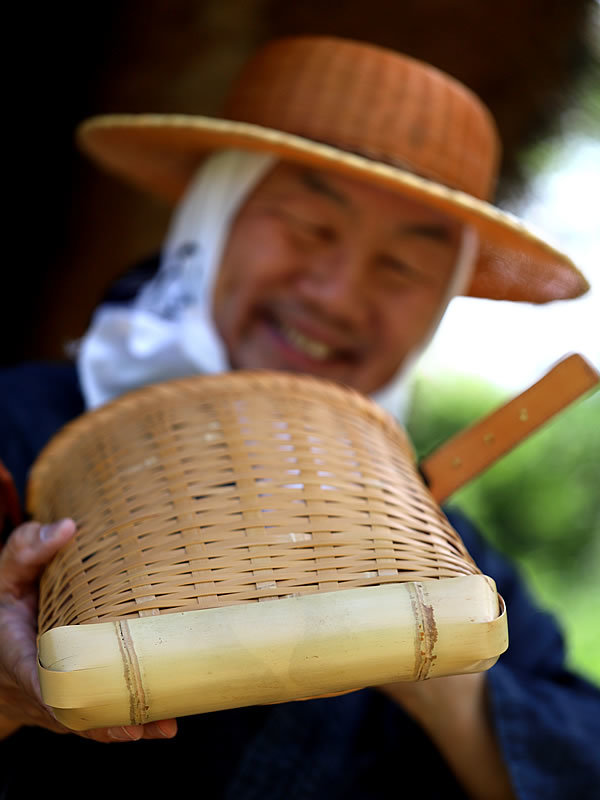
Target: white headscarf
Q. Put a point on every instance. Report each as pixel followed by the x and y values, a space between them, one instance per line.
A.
pixel 168 331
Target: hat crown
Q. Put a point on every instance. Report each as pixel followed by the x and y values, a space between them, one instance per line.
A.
pixel 374 102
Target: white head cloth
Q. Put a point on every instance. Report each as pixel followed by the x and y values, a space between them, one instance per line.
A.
pixel 168 330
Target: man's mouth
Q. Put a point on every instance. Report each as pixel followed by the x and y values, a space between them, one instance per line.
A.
pixel 313 348
pixel 307 344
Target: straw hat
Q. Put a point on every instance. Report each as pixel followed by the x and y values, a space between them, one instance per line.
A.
pixel 361 111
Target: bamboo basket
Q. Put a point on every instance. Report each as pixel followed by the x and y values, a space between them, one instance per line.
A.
pixel 243 539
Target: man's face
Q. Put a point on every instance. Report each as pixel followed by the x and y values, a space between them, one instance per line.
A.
pixel 327 275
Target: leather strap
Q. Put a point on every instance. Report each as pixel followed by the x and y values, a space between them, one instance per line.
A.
pixel 471 451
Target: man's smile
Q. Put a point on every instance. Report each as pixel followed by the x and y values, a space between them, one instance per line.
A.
pixel 305 341
pixel 313 348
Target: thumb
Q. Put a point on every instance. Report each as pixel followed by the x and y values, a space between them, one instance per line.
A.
pixel 27 551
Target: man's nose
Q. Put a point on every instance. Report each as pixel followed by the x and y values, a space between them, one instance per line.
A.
pixel 337 281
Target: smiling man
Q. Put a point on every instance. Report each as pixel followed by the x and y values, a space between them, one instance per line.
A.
pixel 328 275
pixel 322 226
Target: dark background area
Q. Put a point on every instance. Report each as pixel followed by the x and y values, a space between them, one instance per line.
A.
pixel 71 230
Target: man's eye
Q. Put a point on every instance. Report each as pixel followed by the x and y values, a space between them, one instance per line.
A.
pixel 321 232
pixel 396 268
pixel 313 231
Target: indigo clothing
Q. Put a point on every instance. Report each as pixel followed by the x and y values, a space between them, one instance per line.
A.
pixel 359 745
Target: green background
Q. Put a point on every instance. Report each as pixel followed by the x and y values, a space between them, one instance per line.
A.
pixel 539 504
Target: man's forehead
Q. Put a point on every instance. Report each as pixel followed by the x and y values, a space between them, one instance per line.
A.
pixel 414 217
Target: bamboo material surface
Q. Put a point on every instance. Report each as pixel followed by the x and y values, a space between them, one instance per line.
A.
pixel 212 491
pixel 136 671
pixel 199 500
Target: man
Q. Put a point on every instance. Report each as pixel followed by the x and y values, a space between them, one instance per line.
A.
pixel 322 227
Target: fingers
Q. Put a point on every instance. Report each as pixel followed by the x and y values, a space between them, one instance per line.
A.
pixel 28 549
pixel 162 729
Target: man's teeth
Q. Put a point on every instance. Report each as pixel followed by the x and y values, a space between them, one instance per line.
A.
pixel 317 350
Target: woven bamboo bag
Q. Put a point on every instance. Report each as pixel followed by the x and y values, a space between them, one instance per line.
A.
pixel 243 539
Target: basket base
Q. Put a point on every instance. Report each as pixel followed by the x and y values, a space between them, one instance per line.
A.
pixel 133 671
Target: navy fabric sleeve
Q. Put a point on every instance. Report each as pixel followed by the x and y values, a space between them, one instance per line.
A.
pixel 36 399
pixel 547 719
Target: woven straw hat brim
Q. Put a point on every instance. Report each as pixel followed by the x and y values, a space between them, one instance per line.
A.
pixel 160 153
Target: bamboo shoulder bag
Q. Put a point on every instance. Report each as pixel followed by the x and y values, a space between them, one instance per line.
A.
pixel 244 539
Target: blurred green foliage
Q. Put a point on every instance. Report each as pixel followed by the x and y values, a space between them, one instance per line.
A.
pixel 539 504
pixel 580 120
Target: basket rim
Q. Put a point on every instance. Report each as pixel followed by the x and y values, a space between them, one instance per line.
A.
pixel 63 439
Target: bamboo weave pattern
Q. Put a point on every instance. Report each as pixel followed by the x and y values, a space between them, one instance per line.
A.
pixel 210 491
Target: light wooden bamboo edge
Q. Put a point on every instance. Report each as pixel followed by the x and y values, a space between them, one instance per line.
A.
pixel 137 670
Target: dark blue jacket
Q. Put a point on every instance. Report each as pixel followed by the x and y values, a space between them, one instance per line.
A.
pixel 359 745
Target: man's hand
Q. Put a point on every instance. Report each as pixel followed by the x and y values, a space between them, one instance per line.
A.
pixel 29 548
pixel 454 712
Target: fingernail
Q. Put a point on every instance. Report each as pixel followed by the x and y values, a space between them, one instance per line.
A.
pixel 48 532
pixel 125 734
pixel 154 729
pixel 166 732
